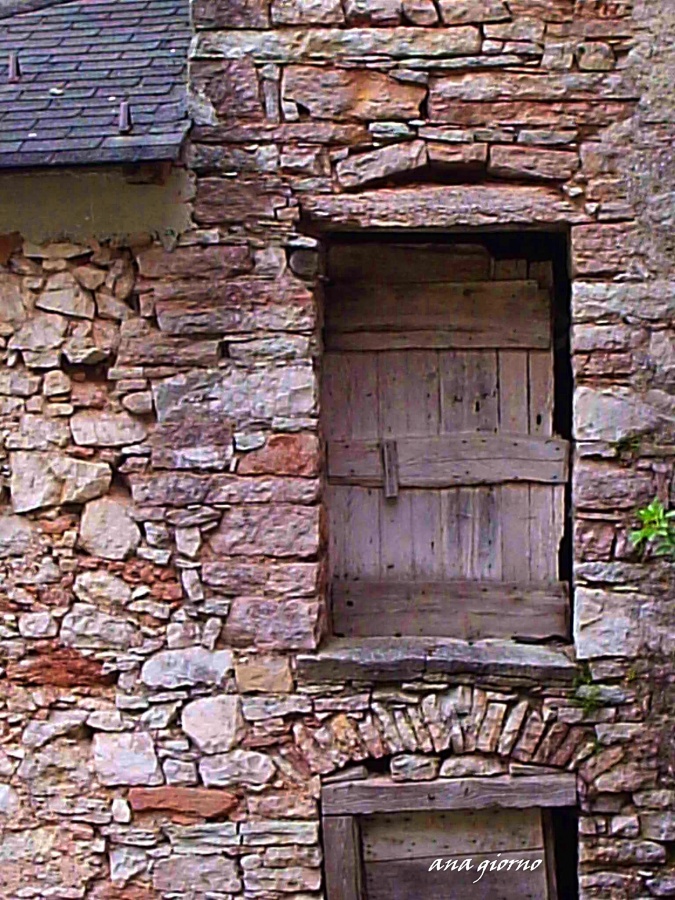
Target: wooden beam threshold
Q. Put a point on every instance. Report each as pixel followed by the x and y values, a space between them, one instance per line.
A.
pixel 382 795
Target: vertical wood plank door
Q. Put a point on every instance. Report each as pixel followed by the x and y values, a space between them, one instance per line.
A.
pixel 457 377
pixel 485 854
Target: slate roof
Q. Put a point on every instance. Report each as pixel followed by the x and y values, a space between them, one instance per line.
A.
pixel 78 61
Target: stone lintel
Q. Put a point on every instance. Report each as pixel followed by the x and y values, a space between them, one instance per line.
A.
pixel 403 659
pixel 444 206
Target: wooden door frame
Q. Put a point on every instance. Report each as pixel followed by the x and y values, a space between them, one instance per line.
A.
pixel 343 803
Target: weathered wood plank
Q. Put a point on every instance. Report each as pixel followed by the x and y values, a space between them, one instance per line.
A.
pixel 362 506
pixel 543 547
pixel 540 372
pixel 404 879
pixel 390 467
pixel 426 534
pixel 488 526
pixel 335 396
pixel 408 263
pixel 447 460
pixel 423 418
pixel 418 834
pixel 381 795
pixel 515 510
pixel 467 610
pixel 549 845
pixel 478 314
pixel 513 400
pixel 335 497
pixel 394 516
pixel 342 855
pixel 451 555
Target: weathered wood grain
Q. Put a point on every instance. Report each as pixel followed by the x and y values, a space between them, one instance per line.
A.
pixel 472 314
pixel 408 263
pixel 381 795
pixel 405 879
pixel 342 855
pixel 452 460
pixel 468 610
pixel 412 835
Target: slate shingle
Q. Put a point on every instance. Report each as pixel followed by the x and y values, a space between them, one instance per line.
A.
pixel 79 60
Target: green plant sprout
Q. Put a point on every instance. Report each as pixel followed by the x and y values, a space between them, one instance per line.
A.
pixel 658 529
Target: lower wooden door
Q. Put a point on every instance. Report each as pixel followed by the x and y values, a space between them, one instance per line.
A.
pixel 486 854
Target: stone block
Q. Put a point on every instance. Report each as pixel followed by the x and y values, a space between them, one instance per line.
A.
pixel 240 395
pixel 125 758
pixel 202 802
pixel 214 723
pixel 36 432
pixel 488 87
pixel 281 624
pixel 414 767
pixel 420 12
pixel 240 306
pixel 532 162
pixel 307 12
pixel 187 264
pixel 221 200
pixel 245 767
pixel 63 295
pixel 186 667
pixel 268 530
pixel 606 623
pixel 602 486
pixel 101 588
pixel 595 56
pixel 351 94
pixel 364 168
pixel 442 206
pixel 649 301
pixel 263 673
pixel 229 87
pixel 340 45
pixel 37 625
pixel 283 454
pixel 42 332
pixel 16 535
pixel 472 765
pixel 58 667
pixel 269 578
pixel 603 249
pixel 108 530
pixel 617 413
pixel 192 442
pixel 473 12
pixel 92 428
pixel 49 479
pixel 87 627
pixel 185 873
pixel 230 14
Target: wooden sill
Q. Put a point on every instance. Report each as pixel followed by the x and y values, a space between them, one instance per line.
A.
pixel 405 659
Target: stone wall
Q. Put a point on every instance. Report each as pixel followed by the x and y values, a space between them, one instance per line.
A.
pixel 165 719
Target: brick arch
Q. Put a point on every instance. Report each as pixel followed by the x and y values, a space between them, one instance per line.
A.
pixel 460 731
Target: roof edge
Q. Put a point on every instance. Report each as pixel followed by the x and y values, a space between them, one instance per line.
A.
pixel 9 8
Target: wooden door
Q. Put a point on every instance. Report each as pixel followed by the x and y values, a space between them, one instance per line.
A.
pixel 446 484
pixel 497 854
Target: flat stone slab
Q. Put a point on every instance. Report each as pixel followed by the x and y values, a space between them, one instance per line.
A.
pixel 442 206
pixel 404 659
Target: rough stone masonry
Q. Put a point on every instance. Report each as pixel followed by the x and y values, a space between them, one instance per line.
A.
pixel 165 719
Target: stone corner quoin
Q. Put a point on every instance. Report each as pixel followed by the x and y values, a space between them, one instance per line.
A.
pixel 171 699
